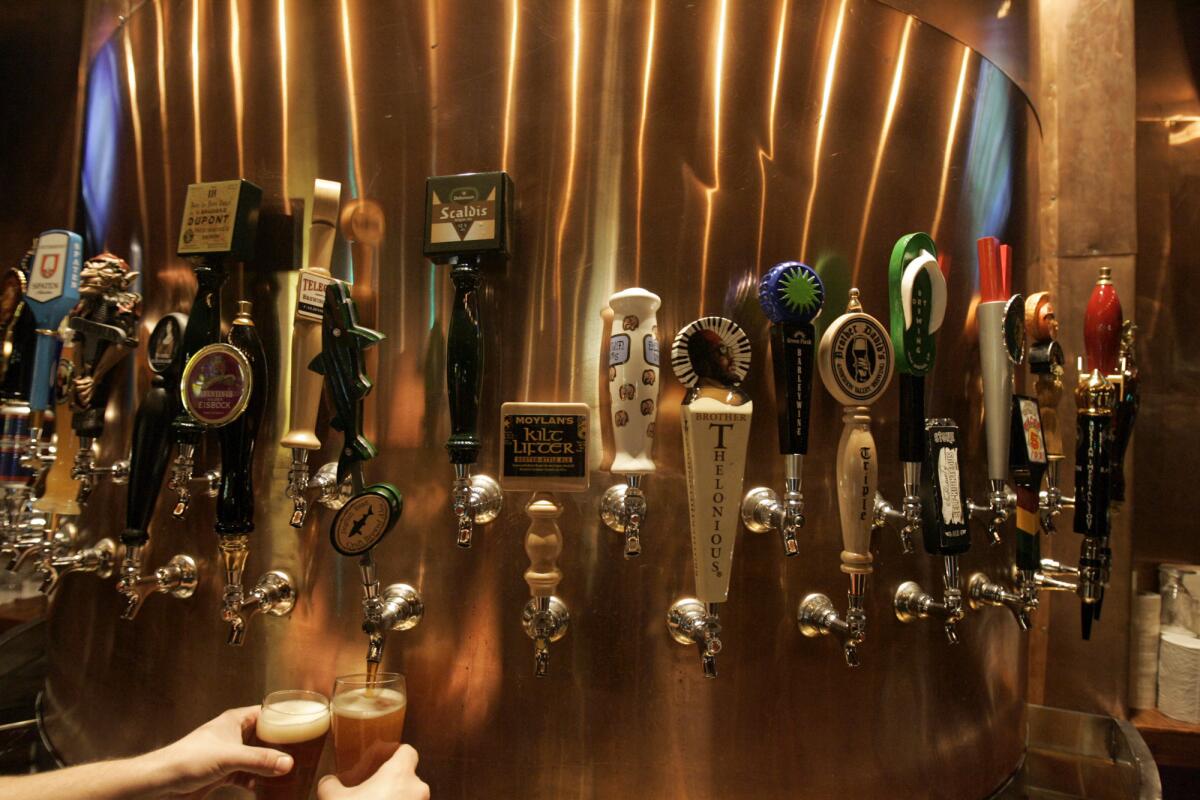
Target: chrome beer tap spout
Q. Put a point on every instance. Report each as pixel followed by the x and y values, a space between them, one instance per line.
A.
pixel 178 578
pixel 98 559
pixel 996 511
pixel 982 592
pixel 397 608
pixel 274 594
pixel 913 603
pixel 762 511
pixel 322 488
pixel 181 478
pixel 693 622
pixel 475 500
pixel 907 518
pixel 1051 500
pixel 816 616
pixel 88 474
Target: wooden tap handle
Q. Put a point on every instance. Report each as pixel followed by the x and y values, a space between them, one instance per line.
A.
pixel 633 372
pixel 61 489
pixel 857 480
pixel 543 545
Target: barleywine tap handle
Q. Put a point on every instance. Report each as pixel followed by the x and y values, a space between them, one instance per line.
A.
pixel 52 292
pixel 633 371
pixel 791 295
pixel 943 496
pixel 310 302
pixel 711 357
pixel 1102 322
pixel 151 428
pixel 341 361
pixel 235 502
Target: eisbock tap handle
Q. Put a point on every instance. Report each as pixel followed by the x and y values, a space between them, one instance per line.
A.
pixel 791 295
pixel 310 302
pixel 152 427
pixel 1102 321
pixel 633 371
pixel 917 305
pixel 341 362
pixel 52 292
pixel 235 502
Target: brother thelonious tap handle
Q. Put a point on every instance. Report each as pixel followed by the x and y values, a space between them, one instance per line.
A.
pixel 791 295
pixel 467 219
pixel 301 437
pixel 855 360
pixel 633 379
pixel 220 220
pixel 711 357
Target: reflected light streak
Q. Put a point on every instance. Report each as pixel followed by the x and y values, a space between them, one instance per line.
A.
pixel 514 27
pixel 769 154
pixel 564 214
pixel 135 115
pixel 283 103
pixel 168 188
pixel 949 148
pixel 198 148
pixel 718 75
pixel 641 142
pixel 881 148
pixel 830 73
pixel 355 153
pixel 235 63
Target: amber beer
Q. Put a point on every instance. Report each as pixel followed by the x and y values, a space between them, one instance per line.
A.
pixel 368 718
pixel 295 722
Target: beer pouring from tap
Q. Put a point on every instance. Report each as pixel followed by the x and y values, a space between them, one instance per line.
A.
pixel 711 357
pixel 855 359
pixel 220 220
pixel 467 227
pixel 544 450
pixel 791 295
pixel 633 380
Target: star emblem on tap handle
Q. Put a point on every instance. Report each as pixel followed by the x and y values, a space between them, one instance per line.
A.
pixel 343 341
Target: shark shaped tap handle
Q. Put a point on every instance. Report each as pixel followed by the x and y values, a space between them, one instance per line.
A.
pixel 343 341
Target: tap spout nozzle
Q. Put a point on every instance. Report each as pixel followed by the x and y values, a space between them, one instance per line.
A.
pixel 475 500
pixel 545 620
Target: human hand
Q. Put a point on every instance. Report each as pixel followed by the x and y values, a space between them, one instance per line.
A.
pixel 215 754
pixel 396 779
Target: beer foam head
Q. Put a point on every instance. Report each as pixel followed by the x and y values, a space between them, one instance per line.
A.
pixel 368 703
pixel 291 721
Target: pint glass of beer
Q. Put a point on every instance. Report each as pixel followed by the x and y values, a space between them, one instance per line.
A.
pixel 368 718
pixel 296 722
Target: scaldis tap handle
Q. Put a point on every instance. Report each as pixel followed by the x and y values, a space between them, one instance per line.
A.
pixel 220 220
pixel 856 361
pixel 301 437
pixel 633 370
pixel 711 357
pixel 52 292
pixel 791 295
pixel 466 227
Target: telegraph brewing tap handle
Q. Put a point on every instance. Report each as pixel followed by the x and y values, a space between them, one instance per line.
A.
pixel 235 502
pixel 52 292
pixel 310 301
pixel 917 305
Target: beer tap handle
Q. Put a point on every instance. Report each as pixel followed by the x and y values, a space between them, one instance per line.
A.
pixel 1102 321
pixel 59 495
pixel 1094 399
pixel 311 283
pixel 633 378
pixel 464 361
pixel 1127 407
pixel 1028 461
pixel 52 292
pixel 545 617
pixel 235 502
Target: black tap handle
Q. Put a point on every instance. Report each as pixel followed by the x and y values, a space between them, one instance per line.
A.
pixel 943 494
pixel 150 450
pixel 235 502
pixel 791 295
pixel 1092 475
pixel 203 328
pixel 464 362
pixel 1027 463
pixel 912 417
pixel 1125 416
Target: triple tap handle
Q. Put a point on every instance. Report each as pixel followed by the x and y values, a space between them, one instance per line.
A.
pixel 53 290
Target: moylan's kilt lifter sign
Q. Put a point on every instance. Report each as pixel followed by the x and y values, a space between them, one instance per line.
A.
pixel 543 447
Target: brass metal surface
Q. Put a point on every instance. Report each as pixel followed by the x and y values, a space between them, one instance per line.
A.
pixel 682 147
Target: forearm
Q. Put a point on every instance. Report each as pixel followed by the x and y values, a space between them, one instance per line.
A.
pixel 124 779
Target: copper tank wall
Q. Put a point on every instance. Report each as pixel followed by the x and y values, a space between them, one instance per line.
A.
pixel 681 147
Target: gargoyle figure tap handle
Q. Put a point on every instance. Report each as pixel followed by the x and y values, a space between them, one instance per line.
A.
pixel 467 220
pixel 633 369
pixel 306 342
pixel 52 292
pixel 711 357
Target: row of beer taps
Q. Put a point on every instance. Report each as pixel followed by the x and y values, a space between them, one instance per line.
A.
pixel 84 317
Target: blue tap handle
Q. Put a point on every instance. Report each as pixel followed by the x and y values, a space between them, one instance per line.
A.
pixel 53 290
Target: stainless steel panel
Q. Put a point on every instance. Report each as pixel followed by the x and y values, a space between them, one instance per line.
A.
pixel 682 147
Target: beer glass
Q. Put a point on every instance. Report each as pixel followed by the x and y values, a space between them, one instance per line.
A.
pixel 296 722
pixel 368 718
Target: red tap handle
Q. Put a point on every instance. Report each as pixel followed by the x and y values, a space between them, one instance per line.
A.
pixel 1006 271
pixel 1102 325
pixel 991 283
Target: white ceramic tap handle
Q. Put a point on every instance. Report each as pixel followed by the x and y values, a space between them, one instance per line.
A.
pixel 633 373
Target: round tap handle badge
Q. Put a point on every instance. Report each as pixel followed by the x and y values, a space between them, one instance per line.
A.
pixel 791 293
pixel 856 356
pixel 366 519
pixel 1014 328
pixel 165 340
pixel 712 349
pixel 216 385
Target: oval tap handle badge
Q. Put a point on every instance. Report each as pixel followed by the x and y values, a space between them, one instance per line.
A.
pixel 791 293
pixel 856 357
pixel 917 294
pixel 365 519
pixel 713 350
pixel 165 341
pixel 216 385
pixel 1014 328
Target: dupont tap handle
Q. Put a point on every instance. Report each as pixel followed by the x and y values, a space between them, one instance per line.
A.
pixel 917 305
pixel 152 428
pixel 235 502
pixel 1028 461
pixel 311 283
pixel 1102 322
pixel 791 295
pixel 52 292
pixel 711 357
pixel 633 371
pixel 341 361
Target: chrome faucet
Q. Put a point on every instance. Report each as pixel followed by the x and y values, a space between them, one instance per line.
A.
pixel 693 622
pixel 178 578
pixel 982 592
